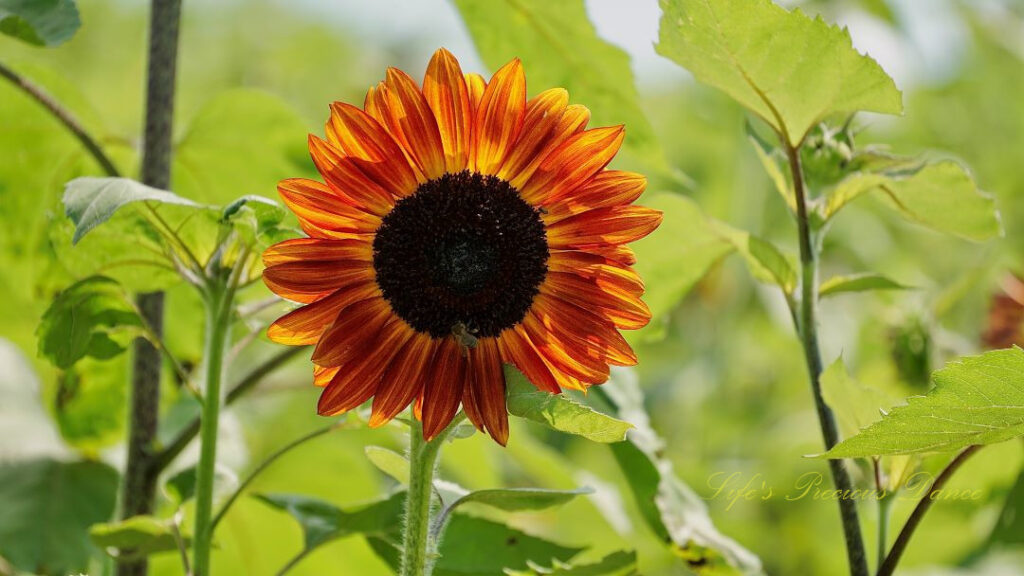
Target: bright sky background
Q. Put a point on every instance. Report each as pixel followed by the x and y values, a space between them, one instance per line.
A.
pixel 928 51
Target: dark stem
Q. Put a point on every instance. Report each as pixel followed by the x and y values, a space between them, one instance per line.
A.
pixel 64 116
pixel 900 545
pixel 140 473
pixel 188 433
pixel 807 327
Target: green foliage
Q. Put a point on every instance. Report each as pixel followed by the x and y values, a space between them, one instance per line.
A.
pixel 620 563
pixel 89 403
pixel 678 254
pixel 560 48
pixel 516 499
pixel 82 319
pixel 976 400
pixel 558 411
pixel 858 283
pixel 764 260
pixel 675 513
pixel 789 69
pixel 48 507
pixel 39 22
pixel 856 405
pixel 181 486
pixel 389 462
pixel 89 202
pixel 135 538
pixel 497 546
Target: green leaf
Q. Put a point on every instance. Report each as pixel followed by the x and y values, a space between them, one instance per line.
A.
pixel 389 462
pixel 39 22
pixel 89 201
pixel 672 510
pixel 789 69
pixel 242 141
pixel 82 320
pixel 621 563
pixel 559 412
pixel 90 403
pixel 764 260
pixel 944 197
pixel 976 400
pixel 559 47
pixel 496 548
pixel 766 154
pixel 134 538
pixel 1009 527
pixel 47 507
pixel 858 283
pixel 851 188
pixel 673 258
pixel 181 486
pixel 322 521
pixel 857 406
pixel 517 499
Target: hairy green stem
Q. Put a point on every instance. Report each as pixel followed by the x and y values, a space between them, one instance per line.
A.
pixel 64 116
pixel 218 305
pixel 888 566
pixel 419 549
pixel 807 327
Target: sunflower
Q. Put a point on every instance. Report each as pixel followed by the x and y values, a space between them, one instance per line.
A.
pixel 459 227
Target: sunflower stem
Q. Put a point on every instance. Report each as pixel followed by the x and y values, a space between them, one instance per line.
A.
pixel 419 548
pixel 218 309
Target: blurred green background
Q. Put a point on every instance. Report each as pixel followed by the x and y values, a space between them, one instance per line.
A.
pixel 726 385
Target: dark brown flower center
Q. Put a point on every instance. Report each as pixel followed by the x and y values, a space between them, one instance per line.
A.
pixel 464 251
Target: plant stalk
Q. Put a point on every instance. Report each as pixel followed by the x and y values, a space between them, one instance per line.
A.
pixel 900 545
pixel 807 328
pixel 140 476
pixel 218 306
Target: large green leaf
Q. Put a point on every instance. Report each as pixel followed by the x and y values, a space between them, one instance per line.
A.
pixel 621 563
pixel 89 201
pixel 39 22
pixel 135 538
pixel 857 406
pixel 559 47
pixel 46 508
pixel 517 499
pixel 82 319
pixel 789 69
pixel 90 403
pixel 558 411
pixel 677 515
pixel 976 400
pixel 241 142
pixel 678 254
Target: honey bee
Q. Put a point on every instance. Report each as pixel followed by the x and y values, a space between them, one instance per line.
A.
pixel 465 337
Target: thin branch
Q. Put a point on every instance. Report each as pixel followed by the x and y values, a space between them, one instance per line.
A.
pixel 900 545
pixel 64 116
pixel 265 464
pixel 807 328
pixel 187 434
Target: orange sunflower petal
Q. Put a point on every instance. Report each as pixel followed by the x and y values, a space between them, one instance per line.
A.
pixel 403 381
pixel 317 249
pixel 499 118
pixel 322 375
pixel 582 334
pixel 596 268
pixel 573 163
pixel 371 184
pixel 444 87
pixel 543 113
pixel 624 310
pixel 475 86
pixel 309 280
pixel 443 391
pixel 516 349
pixel 305 325
pixel 399 106
pixel 612 225
pixel 607 188
pixel 359 379
pixel 620 253
pixel 323 213
pixel 579 362
pixel 484 395
pixel 348 334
